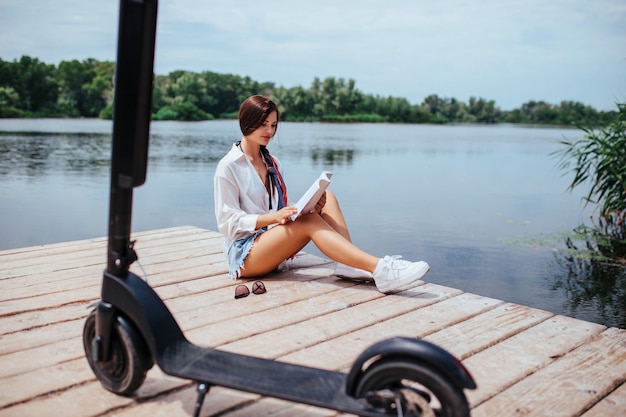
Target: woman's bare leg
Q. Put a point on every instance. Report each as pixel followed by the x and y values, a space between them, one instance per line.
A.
pixel 278 243
pixel 334 216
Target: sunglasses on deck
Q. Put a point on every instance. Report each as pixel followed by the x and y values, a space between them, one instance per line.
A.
pixel 242 291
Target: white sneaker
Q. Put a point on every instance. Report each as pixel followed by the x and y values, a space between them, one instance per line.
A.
pixel 345 271
pixel 283 266
pixel 393 273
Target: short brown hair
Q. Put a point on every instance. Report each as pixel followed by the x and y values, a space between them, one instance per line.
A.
pixel 254 111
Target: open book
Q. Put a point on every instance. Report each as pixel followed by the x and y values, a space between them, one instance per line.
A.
pixel 309 199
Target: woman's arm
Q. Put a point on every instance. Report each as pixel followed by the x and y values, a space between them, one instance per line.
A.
pixel 278 217
pixel 232 221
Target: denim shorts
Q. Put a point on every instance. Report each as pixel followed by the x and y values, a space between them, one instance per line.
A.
pixel 238 252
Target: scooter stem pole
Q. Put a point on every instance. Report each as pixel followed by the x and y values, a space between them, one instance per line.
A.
pixel 132 110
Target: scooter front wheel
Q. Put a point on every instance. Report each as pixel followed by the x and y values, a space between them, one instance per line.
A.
pixel 411 389
pixel 125 370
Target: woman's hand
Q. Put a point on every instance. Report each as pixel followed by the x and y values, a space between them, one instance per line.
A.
pixel 320 203
pixel 282 215
pixel 276 217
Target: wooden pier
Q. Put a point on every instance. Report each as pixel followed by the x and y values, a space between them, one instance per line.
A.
pixel 526 362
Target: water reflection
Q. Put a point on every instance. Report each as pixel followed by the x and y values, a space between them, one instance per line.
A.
pixel 331 156
pixel 591 287
pixel 187 149
pixel 34 154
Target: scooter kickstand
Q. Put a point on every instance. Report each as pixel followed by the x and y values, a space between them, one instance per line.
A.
pixel 202 389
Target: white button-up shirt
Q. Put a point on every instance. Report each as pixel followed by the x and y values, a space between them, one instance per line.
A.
pixel 240 196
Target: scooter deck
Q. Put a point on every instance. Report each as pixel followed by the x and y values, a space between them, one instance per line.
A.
pixel 291 382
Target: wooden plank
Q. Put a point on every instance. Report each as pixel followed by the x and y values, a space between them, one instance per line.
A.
pixel 72 316
pixel 323 320
pixel 485 330
pixel 62 279
pixel 277 408
pixel 613 405
pixel 169 267
pixel 39 357
pixel 21 322
pixel 86 248
pixel 573 382
pixel 193 278
pixel 339 352
pixel 219 402
pixel 80 401
pixel 221 323
pixel 62 247
pixel 25 271
pixel 510 361
pixel 81 276
pixel 88 294
pixel 167 246
pixel 41 382
pixel 42 336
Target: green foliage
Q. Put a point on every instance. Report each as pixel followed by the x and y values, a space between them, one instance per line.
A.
pixel 85 88
pixel 567 113
pixel 229 116
pixel 106 113
pixel 355 118
pixel 182 111
pixel 208 92
pixel 165 113
pixel 597 244
pixel 30 88
pixel 71 76
pixel 35 85
pixel 9 101
pixel 599 160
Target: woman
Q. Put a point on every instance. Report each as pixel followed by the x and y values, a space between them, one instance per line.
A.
pixel 253 211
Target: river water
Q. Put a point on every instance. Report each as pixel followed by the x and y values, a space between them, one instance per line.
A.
pixel 486 206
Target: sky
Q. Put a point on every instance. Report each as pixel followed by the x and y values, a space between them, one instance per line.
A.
pixel 509 51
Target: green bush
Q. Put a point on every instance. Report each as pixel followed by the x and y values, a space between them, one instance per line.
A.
pixel 230 116
pixel 182 111
pixel 107 112
pixel 10 112
pixel 599 159
pixel 165 113
pixel 355 118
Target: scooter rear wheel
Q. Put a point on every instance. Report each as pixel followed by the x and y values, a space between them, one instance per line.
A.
pixel 417 389
pixel 125 371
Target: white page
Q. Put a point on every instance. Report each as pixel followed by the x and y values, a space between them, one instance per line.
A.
pixel 309 199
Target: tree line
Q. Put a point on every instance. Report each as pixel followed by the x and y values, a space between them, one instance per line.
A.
pixel 31 88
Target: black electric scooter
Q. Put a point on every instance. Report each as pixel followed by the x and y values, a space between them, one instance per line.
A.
pixel 130 328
